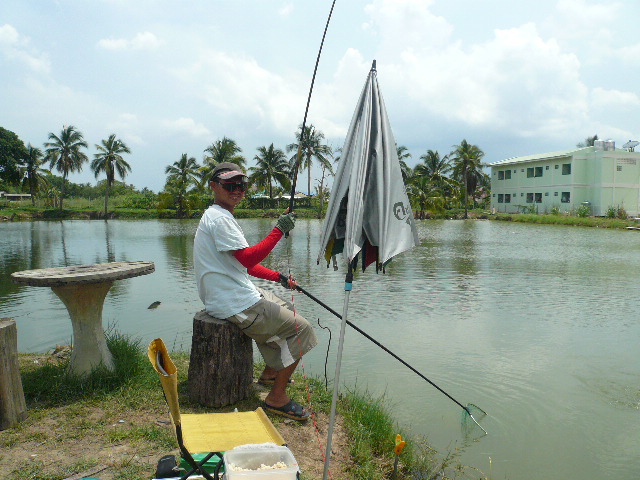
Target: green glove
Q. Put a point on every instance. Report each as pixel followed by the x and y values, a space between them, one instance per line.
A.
pixel 286 222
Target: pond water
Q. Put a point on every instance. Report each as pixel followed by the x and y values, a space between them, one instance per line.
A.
pixel 537 325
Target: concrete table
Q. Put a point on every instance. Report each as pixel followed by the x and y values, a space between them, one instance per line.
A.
pixel 82 289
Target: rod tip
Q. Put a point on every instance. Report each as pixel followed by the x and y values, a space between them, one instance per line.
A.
pixel 373 65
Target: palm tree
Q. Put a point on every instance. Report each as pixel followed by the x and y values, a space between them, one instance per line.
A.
pixel 467 168
pixel 272 164
pixel 181 175
pixel 425 195
pixel 436 168
pixel 63 153
pixel 403 154
pixel 225 150
pixel 109 160
pixel 310 146
pixel 33 178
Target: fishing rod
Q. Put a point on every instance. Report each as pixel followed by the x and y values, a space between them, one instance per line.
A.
pixel 306 111
pixel 369 337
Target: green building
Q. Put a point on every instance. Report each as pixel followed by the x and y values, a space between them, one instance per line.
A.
pixel 598 177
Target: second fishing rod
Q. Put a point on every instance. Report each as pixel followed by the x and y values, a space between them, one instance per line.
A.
pixel 376 342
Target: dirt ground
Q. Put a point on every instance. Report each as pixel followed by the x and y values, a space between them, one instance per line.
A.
pixel 70 437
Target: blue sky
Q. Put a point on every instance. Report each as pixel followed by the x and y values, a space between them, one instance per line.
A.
pixel 167 77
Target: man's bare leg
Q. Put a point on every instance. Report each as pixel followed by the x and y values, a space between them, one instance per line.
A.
pixel 278 397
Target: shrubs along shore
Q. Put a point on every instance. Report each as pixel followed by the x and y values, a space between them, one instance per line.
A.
pixel 29 213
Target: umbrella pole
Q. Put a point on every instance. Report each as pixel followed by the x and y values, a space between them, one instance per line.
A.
pixel 336 381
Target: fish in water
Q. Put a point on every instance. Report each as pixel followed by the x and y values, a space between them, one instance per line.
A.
pixel 154 305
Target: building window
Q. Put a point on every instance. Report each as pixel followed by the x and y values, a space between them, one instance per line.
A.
pixel 522 194
pixel 546 194
pixel 538 172
pixel 521 170
pixel 507 175
pixel 529 172
pixel 557 167
pixel 619 168
pixel 529 197
pixel 507 198
pixel 555 194
pixel 500 198
pixel 566 169
pixel 538 198
pixel 500 175
pixel 566 197
pixel 547 167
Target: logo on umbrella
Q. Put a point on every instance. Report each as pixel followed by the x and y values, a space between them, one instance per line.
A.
pixel 402 213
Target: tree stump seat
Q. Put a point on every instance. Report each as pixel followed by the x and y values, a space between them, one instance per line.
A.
pixel 221 362
pixel 13 408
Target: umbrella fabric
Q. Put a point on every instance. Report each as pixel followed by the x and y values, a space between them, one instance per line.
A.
pixel 369 208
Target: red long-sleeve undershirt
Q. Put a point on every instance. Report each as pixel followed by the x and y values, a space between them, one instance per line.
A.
pixel 251 257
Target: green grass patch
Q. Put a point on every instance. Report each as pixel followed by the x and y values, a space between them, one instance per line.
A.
pixel 52 385
pixel 38 470
pixel 372 433
pixel 121 410
pixel 575 221
pixel 160 438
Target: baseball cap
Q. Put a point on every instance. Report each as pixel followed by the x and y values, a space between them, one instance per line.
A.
pixel 226 170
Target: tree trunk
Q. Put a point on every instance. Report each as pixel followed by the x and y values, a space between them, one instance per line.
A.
pixel 221 364
pixel 64 178
pixel 13 408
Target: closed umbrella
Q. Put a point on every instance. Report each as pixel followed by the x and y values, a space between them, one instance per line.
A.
pixel 368 215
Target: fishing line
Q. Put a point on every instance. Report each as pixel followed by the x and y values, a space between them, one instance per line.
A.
pixel 326 358
pixel 467 408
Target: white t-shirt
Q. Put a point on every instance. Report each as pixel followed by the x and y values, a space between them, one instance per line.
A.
pixel 223 283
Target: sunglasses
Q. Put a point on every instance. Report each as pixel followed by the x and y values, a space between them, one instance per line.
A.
pixel 232 187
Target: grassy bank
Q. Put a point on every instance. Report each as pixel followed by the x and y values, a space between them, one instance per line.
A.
pixel 120 421
pixel 549 219
pixel 83 210
pixel 29 213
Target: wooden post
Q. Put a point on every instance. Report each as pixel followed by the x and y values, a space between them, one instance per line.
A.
pixel 221 365
pixel 13 408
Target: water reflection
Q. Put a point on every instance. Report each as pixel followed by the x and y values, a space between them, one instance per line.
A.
pixel 177 241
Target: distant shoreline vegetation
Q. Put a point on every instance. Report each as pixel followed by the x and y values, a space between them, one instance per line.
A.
pixel 84 209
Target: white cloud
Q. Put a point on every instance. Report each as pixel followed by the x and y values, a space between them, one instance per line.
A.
pixel 516 82
pixel 243 92
pixel 145 41
pixel 188 126
pixel 582 18
pixel 16 47
pixel 407 25
pixel 629 54
pixel 614 99
pixel 286 9
pixel 589 29
pixel 128 127
pixel 141 41
pixel 113 43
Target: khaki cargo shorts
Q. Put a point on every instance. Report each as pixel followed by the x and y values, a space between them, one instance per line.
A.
pixel 282 338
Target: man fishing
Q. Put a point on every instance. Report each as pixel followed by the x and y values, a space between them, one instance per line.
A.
pixel 223 262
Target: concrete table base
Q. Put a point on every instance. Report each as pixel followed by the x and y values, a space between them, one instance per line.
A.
pixel 83 288
pixel 84 303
